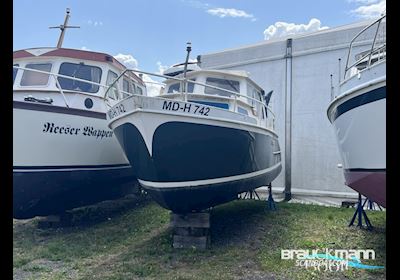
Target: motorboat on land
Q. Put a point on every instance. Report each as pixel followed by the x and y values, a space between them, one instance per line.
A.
pixel 64 154
pixel 358 115
pixel 206 138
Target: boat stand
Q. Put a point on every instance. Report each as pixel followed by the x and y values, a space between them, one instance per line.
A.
pixel 371 205
pixel 270 201
pixel 360 212
pixel 251 194
pixel 191 230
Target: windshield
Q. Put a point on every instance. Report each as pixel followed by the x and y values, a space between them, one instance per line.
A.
pixel 80 71
pixel 221 83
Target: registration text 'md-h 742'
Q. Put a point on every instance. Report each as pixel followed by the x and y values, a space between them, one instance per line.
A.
pixel 116 111
pixel 186 108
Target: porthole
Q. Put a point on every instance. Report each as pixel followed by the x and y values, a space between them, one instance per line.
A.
pixel 88 103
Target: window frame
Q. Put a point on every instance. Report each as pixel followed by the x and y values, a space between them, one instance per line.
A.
pixel 179 84
pixel 116 88
pixel 27 71
pixel 225 94
pixel 81 64
pixel 140 90
pixel 15 73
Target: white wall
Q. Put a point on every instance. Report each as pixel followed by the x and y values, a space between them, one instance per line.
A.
pixel 315 56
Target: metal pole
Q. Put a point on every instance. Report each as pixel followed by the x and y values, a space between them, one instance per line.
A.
pixel 288 121
pixel 62 27
pixel 188 49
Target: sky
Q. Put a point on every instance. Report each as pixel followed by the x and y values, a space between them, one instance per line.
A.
pixel 151 35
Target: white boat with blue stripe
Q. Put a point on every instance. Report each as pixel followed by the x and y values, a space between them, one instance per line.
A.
pixel 358 115
pixel 207 137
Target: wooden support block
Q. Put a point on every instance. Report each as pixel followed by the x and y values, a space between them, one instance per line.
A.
pixel 198 242
pixel 191 230
pixel 196 220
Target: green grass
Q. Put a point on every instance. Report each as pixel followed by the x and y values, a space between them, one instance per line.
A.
pixel 246 243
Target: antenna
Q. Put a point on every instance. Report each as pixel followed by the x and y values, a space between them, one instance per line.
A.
pixel 188 49
pixel 62 27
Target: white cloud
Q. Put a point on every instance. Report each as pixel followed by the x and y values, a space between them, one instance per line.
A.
pixel 219 11
pixel 95 23
pixel 153 86
pixel 224 12
pixel 196 4
pixel 161 68
pixel 128 60
pixel 363 1
pixel 85 48
pixel 371 9
pixel 282 29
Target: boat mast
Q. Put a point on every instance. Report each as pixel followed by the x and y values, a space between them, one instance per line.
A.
pixel 188 49
pixel 62 27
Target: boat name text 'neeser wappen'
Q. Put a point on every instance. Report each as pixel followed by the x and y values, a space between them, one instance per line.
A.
pixel 86 131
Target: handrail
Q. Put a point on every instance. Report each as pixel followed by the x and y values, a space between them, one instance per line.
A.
pixel 373 50
pixel 60 75
pixel 60 89
pixel 377 50
pixel 184 94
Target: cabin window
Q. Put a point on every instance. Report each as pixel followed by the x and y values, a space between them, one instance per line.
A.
pixel 253 93
pixel 134 88
pixel 221 83
pixel 250 93
pixel 113 92
pixel 31 78
pixel 125 85
pixel 242 111
pixel 139 90
pixel 79 71
pixel 15 71
pixel 175 88
pixel 127 88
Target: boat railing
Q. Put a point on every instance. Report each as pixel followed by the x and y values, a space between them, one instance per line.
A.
pixel 62 91
pixel 184 94
pixel 377 51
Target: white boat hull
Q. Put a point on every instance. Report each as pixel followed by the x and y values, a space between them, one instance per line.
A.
pixel 64 158
pixel 359 120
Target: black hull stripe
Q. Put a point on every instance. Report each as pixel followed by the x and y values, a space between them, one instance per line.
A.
pixel 57 109
pixel 191 152
pixel 365 170
pixel 368 97
pixel 52 192
pixel 69 166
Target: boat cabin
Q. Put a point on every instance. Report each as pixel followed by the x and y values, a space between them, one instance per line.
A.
pixel 71 78
pixel 230 90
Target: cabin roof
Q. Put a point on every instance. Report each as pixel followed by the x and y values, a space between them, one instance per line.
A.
pixel 233 73
pixel 73 53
